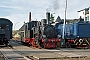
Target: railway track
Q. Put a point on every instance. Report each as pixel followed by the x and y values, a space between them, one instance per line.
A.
pixel 17 51
pixel 44 54
pixel 8 53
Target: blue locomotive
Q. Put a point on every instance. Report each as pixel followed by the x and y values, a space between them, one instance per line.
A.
pixel 75 34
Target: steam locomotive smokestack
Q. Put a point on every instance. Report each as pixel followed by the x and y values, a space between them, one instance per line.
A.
pixel 48 17
pixel 29 16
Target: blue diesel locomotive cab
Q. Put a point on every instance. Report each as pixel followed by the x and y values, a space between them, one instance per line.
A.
pixel 68 33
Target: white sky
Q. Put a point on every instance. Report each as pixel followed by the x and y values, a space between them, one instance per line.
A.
pixel 18 10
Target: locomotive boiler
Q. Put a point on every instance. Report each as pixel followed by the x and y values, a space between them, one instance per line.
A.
pixel 40 34
pixel 76 34
pixel 5 31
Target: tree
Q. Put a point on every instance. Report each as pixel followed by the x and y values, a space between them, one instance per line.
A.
pixel 52 18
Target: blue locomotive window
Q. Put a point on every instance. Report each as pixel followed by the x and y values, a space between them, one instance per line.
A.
pixel 68 29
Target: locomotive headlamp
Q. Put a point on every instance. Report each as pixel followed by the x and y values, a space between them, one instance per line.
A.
pixel 77 36
pixel 44 36
pixel 80 40
pixel 58 36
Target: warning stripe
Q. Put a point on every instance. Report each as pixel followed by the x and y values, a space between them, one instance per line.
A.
pixel 87 42
pixel 75 41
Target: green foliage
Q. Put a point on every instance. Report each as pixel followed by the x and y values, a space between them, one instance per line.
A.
pixel 52 18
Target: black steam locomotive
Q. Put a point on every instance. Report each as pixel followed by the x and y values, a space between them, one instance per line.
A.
pixel 5 31
pixel 40 34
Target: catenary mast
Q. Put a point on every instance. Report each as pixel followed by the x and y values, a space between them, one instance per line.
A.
pixel 63 36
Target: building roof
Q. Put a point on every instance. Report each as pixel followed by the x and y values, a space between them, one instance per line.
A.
pixel 83 9
pixel 58 19
pixel 70 20
pixel 22 28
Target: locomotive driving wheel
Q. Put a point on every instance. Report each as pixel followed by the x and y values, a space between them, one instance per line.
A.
pixel 37 43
